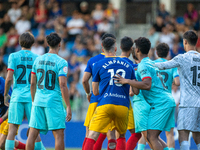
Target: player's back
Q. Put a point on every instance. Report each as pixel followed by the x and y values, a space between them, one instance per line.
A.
pixel 168 75
pixel 21 63
pixel 111 93
pixel 158 95
pixel 131 62
pixel 48 68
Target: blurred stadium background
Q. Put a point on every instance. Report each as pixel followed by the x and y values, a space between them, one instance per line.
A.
pixel 81 25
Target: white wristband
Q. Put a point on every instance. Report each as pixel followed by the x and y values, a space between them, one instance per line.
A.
pixel 88 94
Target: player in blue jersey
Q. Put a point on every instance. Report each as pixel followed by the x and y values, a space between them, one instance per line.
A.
pixel 114 98
pixel 93 100
pixel 19 70
pixel 48 87
pixel 169 76
pixel 126 47
pixel 161 116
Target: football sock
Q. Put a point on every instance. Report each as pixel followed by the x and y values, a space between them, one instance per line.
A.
pixel 184 145
pixel 141 147
pixel 21 145
pixel 99 142
pixel 132 141
pixel 121 144
pixel 171 148
pixel 43 148
pixel 84 143
pixel 38 146
pixel 198 146
pixel 113 146
pixel 89 144
pixel 10 144
pixel 166 148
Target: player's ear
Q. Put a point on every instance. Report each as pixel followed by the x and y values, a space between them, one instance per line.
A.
pixel 103 50
pixel 185 41
pixel 59 44
pixel 115 49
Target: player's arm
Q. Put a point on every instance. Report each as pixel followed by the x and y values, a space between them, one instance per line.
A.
pixel 8 83
pixel 169 64
pixel 95 87
pixel 177 81
pixel 86 85
pixel 33 85
pixel 65 95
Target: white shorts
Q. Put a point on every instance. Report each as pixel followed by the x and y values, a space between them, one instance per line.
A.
pixel 189 119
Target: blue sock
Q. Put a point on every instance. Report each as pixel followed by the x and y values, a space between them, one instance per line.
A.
pixel 171 148
pixel 166 148
pixel 10 144
pixel 141 147
pixel 38 146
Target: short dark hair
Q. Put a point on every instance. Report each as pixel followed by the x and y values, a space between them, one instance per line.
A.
pixel 162 50
pixel 191 37
pixel 26 40
pixel 108 44
pixel 105 35
pixel 53 40
pixel 143 44
pixel 126 43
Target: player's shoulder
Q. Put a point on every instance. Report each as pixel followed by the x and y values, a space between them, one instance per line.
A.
pixel 97 58
pixel 2 80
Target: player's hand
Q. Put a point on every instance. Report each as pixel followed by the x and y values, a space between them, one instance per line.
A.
pixel 119 79
pixel 6 99
pixel 69 114
pixel 89 97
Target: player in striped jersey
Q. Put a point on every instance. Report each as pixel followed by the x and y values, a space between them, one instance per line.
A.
pixel 189 107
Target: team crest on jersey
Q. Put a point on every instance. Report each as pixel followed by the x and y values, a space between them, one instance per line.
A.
pixel 65 69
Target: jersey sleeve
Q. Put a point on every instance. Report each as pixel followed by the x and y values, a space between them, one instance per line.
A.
pixel 88 67
pixel 175 62
pixel 63 69
pixel 11 63
pixel 144 72
pixel 175 73
pixel 96 77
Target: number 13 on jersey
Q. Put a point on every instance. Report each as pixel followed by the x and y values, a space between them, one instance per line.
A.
pixel 112 73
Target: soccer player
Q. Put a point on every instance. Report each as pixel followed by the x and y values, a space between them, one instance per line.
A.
pixel 126 47
pixel 169 76
pixel 161 115
pixel 48 87
pixel 93 100
pixel 189 107
pixel 19 68
pixel 114 98
pixel 4 119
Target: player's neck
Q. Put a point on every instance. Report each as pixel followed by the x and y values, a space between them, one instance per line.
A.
pixel 125 54
pixel 142 56
pixel 109 54
pixel 190 48
pixel 23 48
pixel 53 51
pixel 162 57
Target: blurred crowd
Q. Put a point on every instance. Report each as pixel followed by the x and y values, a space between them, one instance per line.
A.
pixel 81 33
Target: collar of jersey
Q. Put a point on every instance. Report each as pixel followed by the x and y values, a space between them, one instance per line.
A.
pixel 192 51
pixel 102 54
pixel 111 56
pixel 144 59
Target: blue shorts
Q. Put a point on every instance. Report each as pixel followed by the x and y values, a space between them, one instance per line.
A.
pixel 141 111
pixel 161 119
pixel 47 118
pixel 16 112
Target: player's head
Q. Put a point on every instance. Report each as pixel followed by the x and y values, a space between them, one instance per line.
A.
pixel 109 45
pixel 162 50
pixel 105 35
pixel 53 40
pixel 142 45
pixel 126 44
pixel 26 40
pixel 189 39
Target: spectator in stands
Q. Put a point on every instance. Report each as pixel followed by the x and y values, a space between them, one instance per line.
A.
pixel 191 16
pixel 73 93
pixel 153 37
pixel 73 69
pixel 63 52
pixel 159 24
pixel 84 11
pixel 12 41
pixel 2 11
pixel 80 51
pixel 3 38
pixel 91 26
pixel 41 15
pixel 14 13
pixel 6 25
pixel 74 26
pixel 175 50
pixel 38 48
pixel 98 13
pixel 91 47
pixel 110 13
pixel 22 25
pixel 163 13
pixel 56 11
pixel 166 37
pixel 104 26
pixel 3 68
